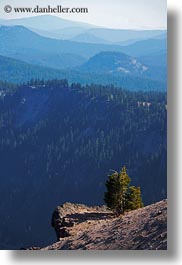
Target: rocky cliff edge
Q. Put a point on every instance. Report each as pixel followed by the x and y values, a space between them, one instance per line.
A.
pixel 96 228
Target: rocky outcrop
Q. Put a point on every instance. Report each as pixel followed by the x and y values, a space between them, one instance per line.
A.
pixel 69 215
pixel 96 228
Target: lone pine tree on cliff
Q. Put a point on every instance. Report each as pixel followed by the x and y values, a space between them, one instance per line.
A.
pixel 120 196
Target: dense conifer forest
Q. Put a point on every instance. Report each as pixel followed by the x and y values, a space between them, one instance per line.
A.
pixel 58 142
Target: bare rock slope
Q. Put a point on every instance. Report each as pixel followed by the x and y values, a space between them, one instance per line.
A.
pixel 96 228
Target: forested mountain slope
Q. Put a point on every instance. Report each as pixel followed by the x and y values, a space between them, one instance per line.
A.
pixel 17 71
pixel 58 143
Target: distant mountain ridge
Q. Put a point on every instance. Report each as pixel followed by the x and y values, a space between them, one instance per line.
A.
pixel 155 59
pixel 21 43
pixel 119 63
pixel 45 22
pixel 145 47
pixel 89 38
pixel 114 62
pixel 17 71
pixel 86 61
pixel 56 27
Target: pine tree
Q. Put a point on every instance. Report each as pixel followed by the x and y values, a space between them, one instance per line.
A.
pixel 117 187
pixel 134 200
pixel 120 196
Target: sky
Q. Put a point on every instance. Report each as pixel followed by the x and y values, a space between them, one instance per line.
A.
pixel 121 14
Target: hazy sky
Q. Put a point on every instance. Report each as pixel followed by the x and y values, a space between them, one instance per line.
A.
pixel 133 14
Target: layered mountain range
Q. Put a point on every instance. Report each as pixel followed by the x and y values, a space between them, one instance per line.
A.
pixel 141 61
pixel 58 28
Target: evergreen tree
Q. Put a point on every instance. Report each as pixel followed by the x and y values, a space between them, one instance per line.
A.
pixel 134 200
pixel 117 187
pixel 120 196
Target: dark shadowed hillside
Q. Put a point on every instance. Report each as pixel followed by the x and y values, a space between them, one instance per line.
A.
pixel 58 143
